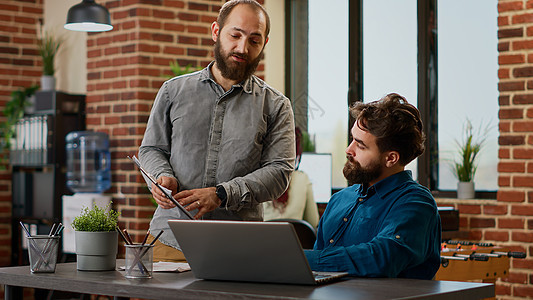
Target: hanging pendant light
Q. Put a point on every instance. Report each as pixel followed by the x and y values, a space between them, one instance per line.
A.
pixel 88 16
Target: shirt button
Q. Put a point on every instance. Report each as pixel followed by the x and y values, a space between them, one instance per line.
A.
pixel 397 236
pixel 331 241
pixel 345 220
pixel 360 199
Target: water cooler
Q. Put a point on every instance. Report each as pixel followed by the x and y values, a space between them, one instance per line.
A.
pixel 88 176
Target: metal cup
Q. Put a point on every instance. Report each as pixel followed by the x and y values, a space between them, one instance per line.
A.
pixel 42 251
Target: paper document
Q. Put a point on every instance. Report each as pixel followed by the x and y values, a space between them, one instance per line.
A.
pixel 165 266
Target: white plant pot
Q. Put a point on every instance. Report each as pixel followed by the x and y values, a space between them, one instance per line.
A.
pixel 48 83
pixel 96 251
pixel 465 190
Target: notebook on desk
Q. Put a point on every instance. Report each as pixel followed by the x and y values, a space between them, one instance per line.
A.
pixel 246 251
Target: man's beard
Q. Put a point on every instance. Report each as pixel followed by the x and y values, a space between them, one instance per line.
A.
pixel 355 173
pixel 231 69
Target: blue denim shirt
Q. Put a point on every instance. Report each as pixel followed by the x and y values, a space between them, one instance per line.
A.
pixel 392 230
pixel 203 136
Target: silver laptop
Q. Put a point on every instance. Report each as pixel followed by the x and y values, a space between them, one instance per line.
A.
pixel 246 251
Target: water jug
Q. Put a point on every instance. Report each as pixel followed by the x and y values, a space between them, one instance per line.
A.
pixel 88 162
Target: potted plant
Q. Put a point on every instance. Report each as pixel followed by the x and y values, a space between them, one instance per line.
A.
pixel 466 166
pixel 96 239
pixel 48 47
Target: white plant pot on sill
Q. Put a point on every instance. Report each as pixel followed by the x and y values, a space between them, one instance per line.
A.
pixel 465 190
pixel 48 83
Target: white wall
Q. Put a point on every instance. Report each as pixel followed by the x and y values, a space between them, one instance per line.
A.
pixel 275 49
pixel 71 61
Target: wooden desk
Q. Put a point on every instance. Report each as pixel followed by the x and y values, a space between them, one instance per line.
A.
pixel 185 286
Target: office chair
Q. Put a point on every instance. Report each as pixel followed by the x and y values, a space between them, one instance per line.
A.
pixel 305 231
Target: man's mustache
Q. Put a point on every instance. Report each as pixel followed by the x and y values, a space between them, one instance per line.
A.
pixel 239 55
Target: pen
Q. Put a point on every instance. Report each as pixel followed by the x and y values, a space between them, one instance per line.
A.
pixel 128 237
pixel 145 237
pixel 122 235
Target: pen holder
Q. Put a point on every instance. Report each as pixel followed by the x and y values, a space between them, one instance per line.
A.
pixel 139 261
pixel 42 251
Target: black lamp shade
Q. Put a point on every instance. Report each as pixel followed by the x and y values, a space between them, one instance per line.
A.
pixel 88 16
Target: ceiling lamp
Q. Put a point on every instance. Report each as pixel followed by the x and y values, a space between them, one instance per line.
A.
pixel 88 16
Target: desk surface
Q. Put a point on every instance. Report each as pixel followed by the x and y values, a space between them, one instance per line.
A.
pixel 186 286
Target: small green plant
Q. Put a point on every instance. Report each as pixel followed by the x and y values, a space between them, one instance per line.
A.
pixel 465 168
pixel 48 47
pixel 307 143
pixel 96 219
pixel 178 71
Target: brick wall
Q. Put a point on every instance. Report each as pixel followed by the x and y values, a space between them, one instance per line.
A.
pixel 510 222
pixel 19 68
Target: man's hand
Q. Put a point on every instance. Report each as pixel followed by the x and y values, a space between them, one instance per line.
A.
pixel 171 184
pixel 205 200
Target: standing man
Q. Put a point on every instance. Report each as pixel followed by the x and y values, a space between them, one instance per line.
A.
pixel 386 224
pixel 220 139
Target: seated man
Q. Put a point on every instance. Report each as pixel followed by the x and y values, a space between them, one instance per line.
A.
pixel 386 224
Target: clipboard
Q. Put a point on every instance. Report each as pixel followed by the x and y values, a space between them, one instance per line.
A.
pixel 149 177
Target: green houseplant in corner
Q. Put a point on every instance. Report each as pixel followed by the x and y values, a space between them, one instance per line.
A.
pixel 48 47
pixel 96 238
pixel 466 166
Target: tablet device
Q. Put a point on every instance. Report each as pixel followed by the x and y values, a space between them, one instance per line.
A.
pixel 149 178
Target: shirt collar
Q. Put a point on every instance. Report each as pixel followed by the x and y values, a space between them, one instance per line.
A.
pixel 246 85
pixel 391 183
pixel 385 186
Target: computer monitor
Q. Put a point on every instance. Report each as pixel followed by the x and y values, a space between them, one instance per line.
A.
pixel 318 167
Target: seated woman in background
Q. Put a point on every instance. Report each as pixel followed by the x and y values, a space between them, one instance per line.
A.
pixel 298 201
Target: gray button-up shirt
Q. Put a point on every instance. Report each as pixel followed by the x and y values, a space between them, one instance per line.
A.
pixel 203 136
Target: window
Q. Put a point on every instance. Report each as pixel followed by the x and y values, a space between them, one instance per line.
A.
pixel 440 55
pixel 467 84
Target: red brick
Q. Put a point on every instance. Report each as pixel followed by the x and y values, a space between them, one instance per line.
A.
pixel 163 14
pixel 469 209
pixel 511 167
pixel 511 140
pixel 504 46
pixel 514 113
pixel 500 236
pixel 522 181
pixel 187 17
pixel 523 126
pixel 482 223
pixel 511 196
pixel 526 237
pixel 510 6
pixel 522 210
pixel 523 99
pixel 502 73
pixel 522 264
pixel 495 209
pixel 174 3
pixel 511 59
pixel 501 289
pixel 517 277
pixel 511 86
pixel 513 223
